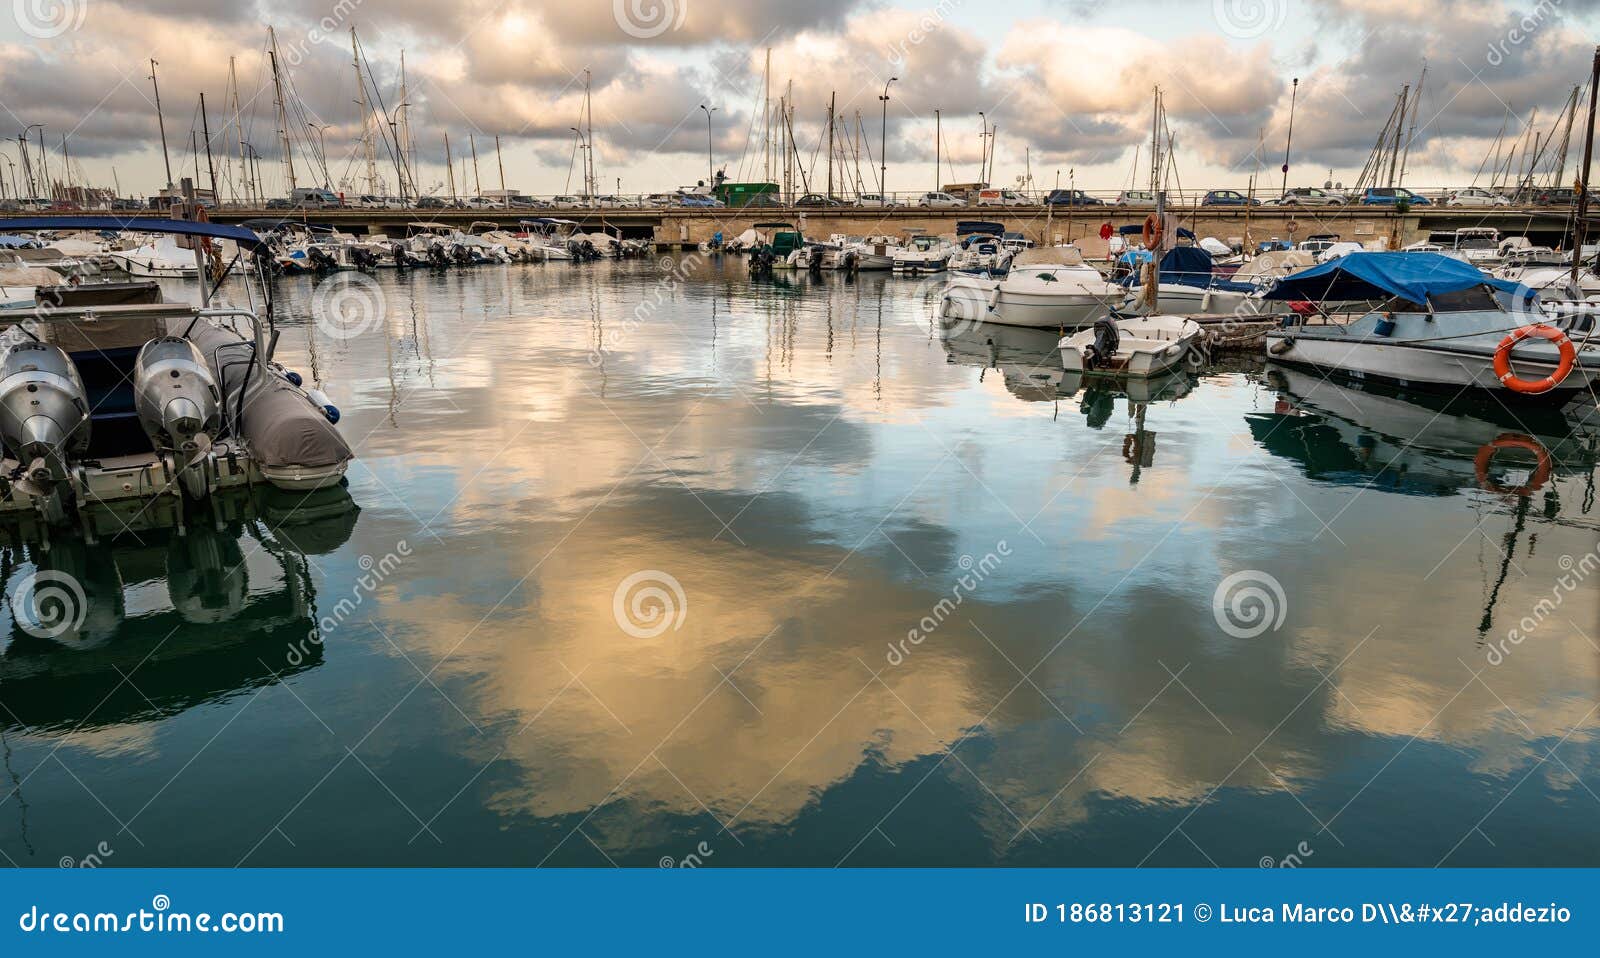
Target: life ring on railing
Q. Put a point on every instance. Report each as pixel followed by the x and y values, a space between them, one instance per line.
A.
pixel 1502 359
pixel 1513 440
pixel 1152 231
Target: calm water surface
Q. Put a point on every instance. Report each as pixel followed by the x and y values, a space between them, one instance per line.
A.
pixel 635 571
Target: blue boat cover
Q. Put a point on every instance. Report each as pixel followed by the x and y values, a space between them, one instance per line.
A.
pixel 1410 276
pixel 1187 266
pixel 9 241
pixel 135 224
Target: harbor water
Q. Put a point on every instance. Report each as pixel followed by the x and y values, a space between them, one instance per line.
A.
pixel 650 563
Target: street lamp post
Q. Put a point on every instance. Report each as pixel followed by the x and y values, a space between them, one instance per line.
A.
pixel 883 143
pixel 710 164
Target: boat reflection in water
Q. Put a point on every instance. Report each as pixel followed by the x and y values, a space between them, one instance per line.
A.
pixel 1424 445
pixel 1029 362
pixel 1420 445
pixel 84 615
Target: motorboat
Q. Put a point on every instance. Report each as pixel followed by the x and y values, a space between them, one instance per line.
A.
pixel 109 393
pixel 924 253
pixel 1136 346
pixel 1440 324
pixel 983 253
pixel 1047 288
pixel 160 258
pixel 20 284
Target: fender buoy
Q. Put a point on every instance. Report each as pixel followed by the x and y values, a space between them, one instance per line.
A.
pixel 1513 440
pixel 1152 231
pixel 1533 387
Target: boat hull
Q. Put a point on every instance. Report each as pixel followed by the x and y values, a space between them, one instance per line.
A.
pixel 1428 369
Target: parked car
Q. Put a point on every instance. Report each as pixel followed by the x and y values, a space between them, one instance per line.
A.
pixel 658 200
pixel 314 198
pixel 124 204
pixel 817 199
pixel 1228 198
pixel 279 203
pixel 520 202
pixel 1556 196
pixel 940 200
pixel 699 201
pixel 996 197
pixel 1072 198
pixel 1307 196
pixel 1392 196
pixel 1136 199
pixel 877 200
pixel 572 201
pixel 1475 196
pixel 431 203
pixel 33 205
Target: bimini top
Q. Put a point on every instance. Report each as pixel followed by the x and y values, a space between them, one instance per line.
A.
pixel 1410 276
pixel 968 227
pixel 115 224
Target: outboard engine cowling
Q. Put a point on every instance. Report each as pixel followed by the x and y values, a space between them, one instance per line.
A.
pixel 177 399
pixel 44 410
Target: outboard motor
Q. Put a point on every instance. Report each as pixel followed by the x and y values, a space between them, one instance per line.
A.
pixel 44 412
pixel 401 260
pixel 178 403
pixel 437 255
pixel 814 260
pixel 320 260
pixel 363 258
pixel 1106 341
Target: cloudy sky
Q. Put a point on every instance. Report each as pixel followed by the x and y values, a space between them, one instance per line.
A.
pixel 1068 83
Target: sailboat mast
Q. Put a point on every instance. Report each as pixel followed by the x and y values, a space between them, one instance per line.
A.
pixel 477 181
pixel 766 117
pixel 238 129
pixel 500 161
pixel 1580 227
pixel 283 114
pixel 937 132
pixel 160 122
pixel 205 130
pixel 368 148
pixel 830 145
pixel 450 167
pixel 1411 135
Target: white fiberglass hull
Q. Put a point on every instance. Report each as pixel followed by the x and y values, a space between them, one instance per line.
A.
pixel 1148 346
pixel 1429 368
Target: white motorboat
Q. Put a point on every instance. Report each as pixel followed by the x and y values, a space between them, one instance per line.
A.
pixel 925 253
pixel 982 253
pixel 1138 346
pixel 1187 286
pixel 161 258
pixel 1047 288
pixel 1442 325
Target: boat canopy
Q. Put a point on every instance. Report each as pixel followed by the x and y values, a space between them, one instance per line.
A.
pixel 968 227
pixel 113 224
pixel 1364 276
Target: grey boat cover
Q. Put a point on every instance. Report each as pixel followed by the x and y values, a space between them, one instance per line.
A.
pixel 282 426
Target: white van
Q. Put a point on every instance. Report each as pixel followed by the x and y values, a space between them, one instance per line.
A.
pixel 993 197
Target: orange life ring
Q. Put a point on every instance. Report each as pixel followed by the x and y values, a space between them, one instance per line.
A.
pixel 1502 359
pixel 1152 231
pixel 1513 440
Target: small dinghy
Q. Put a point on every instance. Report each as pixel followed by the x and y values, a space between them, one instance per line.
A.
pixel 1140 346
